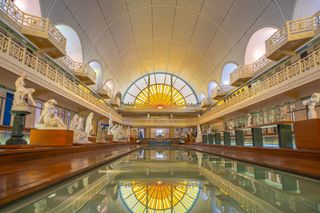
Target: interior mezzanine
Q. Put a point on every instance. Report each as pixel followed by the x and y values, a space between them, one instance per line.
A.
pixel 159 106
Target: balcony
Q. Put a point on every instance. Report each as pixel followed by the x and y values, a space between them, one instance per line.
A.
pixel 293 35
pixel 82 71
pixel 219 92
pixel 245 72
pixel 161 122
pixel 105 92
pixel 37 29
pixel 205 103
pixel 116 102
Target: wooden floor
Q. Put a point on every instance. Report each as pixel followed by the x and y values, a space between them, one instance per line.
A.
pixel 301 162
pixel 22 177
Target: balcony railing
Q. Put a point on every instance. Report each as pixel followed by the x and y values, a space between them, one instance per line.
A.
pixel 291 36
pixel 159 121
pixel 219 92
pixel 245 72
pixel 37 29
pixel 83 71
pixel 206 102
pixel 105 92
pixel 22 56
pixel 176 107
pixel 281 77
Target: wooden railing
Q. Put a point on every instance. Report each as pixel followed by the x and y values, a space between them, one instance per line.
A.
pixel 33 23
pixel 294 29
pixel 299 67
pixel 249 69
pixel 78 67
pixel 21 55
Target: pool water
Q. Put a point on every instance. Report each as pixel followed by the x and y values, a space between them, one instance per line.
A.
pixel 167 179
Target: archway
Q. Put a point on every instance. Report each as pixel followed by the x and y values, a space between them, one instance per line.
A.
pixel 305 8
pixel 211 86
pixel 98 69
pixel 226 70
pixel 74 49
pixel 256 47
pixel 29 6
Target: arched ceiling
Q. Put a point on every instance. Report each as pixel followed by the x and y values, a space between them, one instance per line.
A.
pixel 191 38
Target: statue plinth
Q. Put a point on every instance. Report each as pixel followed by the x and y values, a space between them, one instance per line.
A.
pixel 17 136
pixel 307 134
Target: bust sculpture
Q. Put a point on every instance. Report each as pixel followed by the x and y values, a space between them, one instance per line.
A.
pixel 48 120
pixel 21 94
pixel 311 104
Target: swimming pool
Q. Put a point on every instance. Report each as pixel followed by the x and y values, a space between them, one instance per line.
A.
pixel 169 179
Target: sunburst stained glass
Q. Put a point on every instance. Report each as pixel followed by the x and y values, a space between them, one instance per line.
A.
pixel 159 196
pixel 160 90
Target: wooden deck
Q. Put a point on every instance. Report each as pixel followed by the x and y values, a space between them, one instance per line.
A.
pixel 301 162
pixel 24 171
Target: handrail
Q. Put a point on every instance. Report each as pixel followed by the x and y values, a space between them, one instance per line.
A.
pixel 293 28
pixel 220 90
pixel 78 67
pixel 249 69
pixel 291 71
pixel 32 22
pixel 187 106
pixel 161 121
pixel 20 54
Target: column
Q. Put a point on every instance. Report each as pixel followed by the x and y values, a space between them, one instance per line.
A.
pixel 217 138
pixel 285 135
pixel 239 138
pixel 227 138
pixel 211 138
pixel 257 138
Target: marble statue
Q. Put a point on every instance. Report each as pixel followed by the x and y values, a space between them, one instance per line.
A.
pixel 48 120
pixel 110 125
pixel 199 135
pixel 80 135
pixel 89 126
pixel 284 113
pixel 21 94
pixel 292 109
pixel 230 125
pixel 249 120
pixel 311 103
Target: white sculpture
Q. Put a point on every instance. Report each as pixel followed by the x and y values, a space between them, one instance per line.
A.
pixel 48 120
pixel 110 125
pixel 21 94
pixel 311 103
pixel 89 127
pixel 249 119
pixel 292 109
pixel 79 134
pixel 284 113
pixel 199 135
pixel 229 125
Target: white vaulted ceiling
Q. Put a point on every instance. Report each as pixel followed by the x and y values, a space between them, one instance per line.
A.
pixel 191 38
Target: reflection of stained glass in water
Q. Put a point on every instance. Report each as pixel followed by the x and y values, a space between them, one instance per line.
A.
pixel 159 196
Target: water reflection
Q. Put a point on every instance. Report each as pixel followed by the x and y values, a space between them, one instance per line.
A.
pixel 177 180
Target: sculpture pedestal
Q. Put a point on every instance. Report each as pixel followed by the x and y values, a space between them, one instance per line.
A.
pixel 110 138
pixel 307 134
pixel 92 139
pixel 17 128
pixel 51 137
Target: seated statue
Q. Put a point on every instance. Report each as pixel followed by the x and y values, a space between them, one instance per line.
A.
pixel 311 103
pixel 48 120
pixel 21 95
pixel 79 134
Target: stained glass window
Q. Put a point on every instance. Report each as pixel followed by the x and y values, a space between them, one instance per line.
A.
pixel 159 196
pixel 160 90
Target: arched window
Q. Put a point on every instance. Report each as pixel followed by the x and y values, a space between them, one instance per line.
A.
pixel 74 49
pixel 202 96
pixel 305 8
pixel 211 86
pixel 98 69
pixel 160 90
pixel 108 85
pixel 225 76
pixel 256 47
pixel 29 6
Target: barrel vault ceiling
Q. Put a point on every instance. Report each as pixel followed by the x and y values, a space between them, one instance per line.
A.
pixel 191 38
